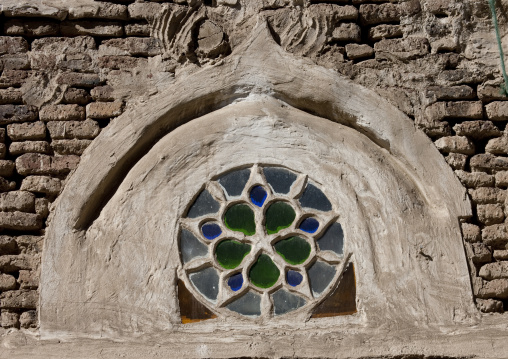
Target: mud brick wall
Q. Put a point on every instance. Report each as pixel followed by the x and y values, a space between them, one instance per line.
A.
pixel 67 72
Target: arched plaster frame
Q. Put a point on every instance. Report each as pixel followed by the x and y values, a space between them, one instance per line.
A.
pixel 258 67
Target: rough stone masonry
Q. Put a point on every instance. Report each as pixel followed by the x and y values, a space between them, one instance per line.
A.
pixel 69 68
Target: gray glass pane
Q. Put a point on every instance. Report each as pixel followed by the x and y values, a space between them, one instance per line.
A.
pixel 279 179
pixel 234 182
pixel 333 239
pixel 248 304
pixel 320 276
pixel 207 282
pixel 285 302
pixel 191 247
pixel 313 198
pixel 204 204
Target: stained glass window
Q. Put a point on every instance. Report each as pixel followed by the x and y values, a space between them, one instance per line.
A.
pixel 273 235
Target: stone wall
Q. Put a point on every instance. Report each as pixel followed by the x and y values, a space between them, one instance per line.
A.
pixel 68 69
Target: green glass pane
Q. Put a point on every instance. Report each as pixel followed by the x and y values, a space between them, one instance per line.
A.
pixel 230 253
pixel 240 218
pixel 279 215
pixel 264 273
pixel 294 250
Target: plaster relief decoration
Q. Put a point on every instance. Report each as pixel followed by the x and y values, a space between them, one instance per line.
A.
pixel 262 241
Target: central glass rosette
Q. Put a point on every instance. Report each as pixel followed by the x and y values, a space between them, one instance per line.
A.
pixel 261 241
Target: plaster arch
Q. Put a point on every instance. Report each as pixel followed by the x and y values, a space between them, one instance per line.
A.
pixel 259 79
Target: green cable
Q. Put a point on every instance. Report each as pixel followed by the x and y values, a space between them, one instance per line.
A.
pixel 492 4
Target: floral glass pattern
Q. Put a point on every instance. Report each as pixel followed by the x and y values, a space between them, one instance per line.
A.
pixel 261 241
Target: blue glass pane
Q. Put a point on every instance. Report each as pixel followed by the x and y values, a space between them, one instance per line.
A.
pixel 191 247
pixel 294 278
pixel 309 225
pixel 320 277
pixel 235 282
pixel 211 230
pixel 333 239
pixel 312 197
pixel 258 195
pixel 248 304
pixel 204 204
pixel 285 302
pixel 234 182
pixel 279 179
pixel 206 282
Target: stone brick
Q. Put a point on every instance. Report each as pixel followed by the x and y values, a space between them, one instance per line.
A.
pixel 13 78
pixel 496 235
pixel 457 161
pixel 462 92
pixel 498 146
pixel 497 111
pixel 434 128
pixel 459 77
pixel 42 207
pixel 6 168
pixel 470 232
pixel 20 221
pixel 13 263
pixel 2 135
pixel 489 305
pixel 457 144
pixel 490 92
pixel 35 9
pixel 62 113
pixel 76 96
pixel 102 93
pixel 19 299
pixel 30 28
pixel 7 245
pixel 10 96
pixel 92 28
pixel 7 282
pixel 76 79
pixel 39 164
pixel 31 245
pixel 59 130
pixel 347 32
pixel 371 14
pixel 385 31
pixel 497 288
pixel 133 46
pixel 64 45
pixel 15 62
pixel 477 129
pixel 496 270
pixel 502 178
pixel 42 184
pixel 28 279
pixel 26 131
pixel 70 147
pixel 19 148
pixel 137 29
pixel 6 185
pixel 75 62
pixel 17 113
pixel 403 49
pixel 17 201
pixel 12 45
pixel 456 109
pixel 114 62
pixel 101 110
pixel 144 10
pixel 100 10
pixel 489 214
pixel 487 161
pixel 475 179
pixel 487 195
pixel 3 150
pixel 9 319
pixel 356 51
pixel 28 319
pixel 501 254
pixel 439 7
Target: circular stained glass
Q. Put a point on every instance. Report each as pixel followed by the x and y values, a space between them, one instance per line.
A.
pixel 261 232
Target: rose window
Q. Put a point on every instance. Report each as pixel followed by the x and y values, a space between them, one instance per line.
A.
pixel 261 241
